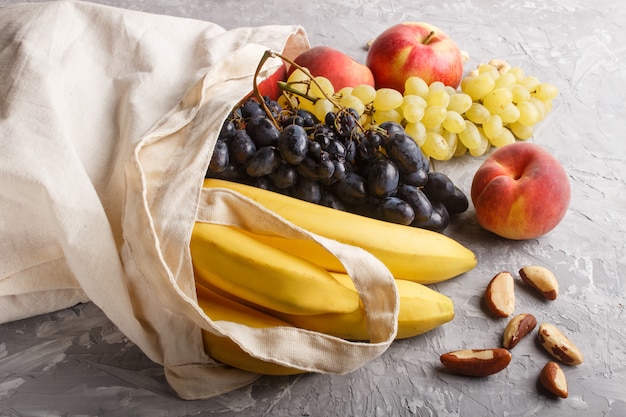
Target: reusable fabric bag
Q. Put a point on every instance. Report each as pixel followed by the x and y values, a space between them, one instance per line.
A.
pixel 108 118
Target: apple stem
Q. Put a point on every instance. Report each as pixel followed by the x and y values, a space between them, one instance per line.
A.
pixel 428 38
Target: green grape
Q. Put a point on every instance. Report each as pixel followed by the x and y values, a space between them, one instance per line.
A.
pixel 413 99
pixel 470 137
pixel 453 140
pixel 517 72
pixel 382 116
pixel 417 131
pixel 353 102
pixel 345 91
pixel 436 86
pixel 305 104
pixel 477 113
pixel 482 147
pixel 412 113
pixel 497 99
pixel 488 69
pixel 528 113
pixel 505 80
pixel 451 90
pixel 460 150
pixel 321 86
pixel 415 86
pixel 541 108
pixel 438 98
pixel 435 146
pixel 387 99
pixel 520 93
pixel 477 86
pixel 365 92
pixel 493 126
pixel 322 107
pixel 521 131
pixel 453 122
pixel 546 91
pixel 434 116
pixel 459 102
pixel 504 138
pixel 299 80
pixel 510 113
pixel 530 82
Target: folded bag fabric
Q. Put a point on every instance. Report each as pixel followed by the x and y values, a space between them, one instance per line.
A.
pixel 108 118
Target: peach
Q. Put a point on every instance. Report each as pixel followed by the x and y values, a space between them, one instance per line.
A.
pixel 340 69
pixel 414 49
pixel 520 191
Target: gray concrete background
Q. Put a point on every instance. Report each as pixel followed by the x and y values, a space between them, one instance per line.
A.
pixel 75 362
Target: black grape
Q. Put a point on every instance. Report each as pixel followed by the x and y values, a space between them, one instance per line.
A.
pixel 404 152
pixel 417 178
pixel 395 210
pixel 379 172
pixel 308 168
pixel 352 189
pixel 252 108
pixel 228 129
pixel 438 221
pixel 262 131
pixel 439 186
pixel 419 202
pixel 383 178
pixel 219 158
pixel 241 146
pixel 284 176
pixel 263 162
pixel 457 202
pixel 307 190
pixel 293 144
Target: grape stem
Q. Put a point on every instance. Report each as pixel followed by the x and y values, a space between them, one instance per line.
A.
pixel 271 54
pixel 288 87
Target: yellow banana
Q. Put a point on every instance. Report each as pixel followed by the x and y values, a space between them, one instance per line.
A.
pixel 222 348
pixel 410 253
pixel 227 259
pixel 421 309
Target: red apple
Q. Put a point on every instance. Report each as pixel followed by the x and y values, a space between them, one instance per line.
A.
pixel 414 49
pixel 269 86
pixel 340 69
pixel 520 191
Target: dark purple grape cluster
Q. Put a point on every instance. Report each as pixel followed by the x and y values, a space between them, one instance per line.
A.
pixel 380 172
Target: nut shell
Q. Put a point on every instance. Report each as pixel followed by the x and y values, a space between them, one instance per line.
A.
pixel 518 327
pixel 476 362
pixel 541 279
pixel 500 294
pixel 558 345
pixel 553 379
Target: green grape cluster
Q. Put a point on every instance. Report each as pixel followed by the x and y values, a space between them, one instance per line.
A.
pixel 494 105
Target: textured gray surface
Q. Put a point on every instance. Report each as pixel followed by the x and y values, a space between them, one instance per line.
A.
pixel 76 362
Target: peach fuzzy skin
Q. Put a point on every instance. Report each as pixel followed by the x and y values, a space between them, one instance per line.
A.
pixel 399 53
pixel 341 70
pixel 520 192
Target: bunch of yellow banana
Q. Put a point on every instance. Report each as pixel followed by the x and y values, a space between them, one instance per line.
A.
pixel 409 253
pixel 222 348
pixel 263 281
